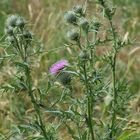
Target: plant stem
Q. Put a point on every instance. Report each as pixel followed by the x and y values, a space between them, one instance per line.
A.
pixel 30 92
pixel 112 133
pixel 28 76
pixel 91 49
pixel 115 96
pixel 18 48
pixel 89 107
pixel 79 44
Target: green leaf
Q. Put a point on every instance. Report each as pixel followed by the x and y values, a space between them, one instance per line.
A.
pixel 22 65
pixel 7 87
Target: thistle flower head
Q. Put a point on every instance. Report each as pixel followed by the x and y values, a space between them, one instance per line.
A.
pixel 73 35
pixel 10 39
pixel 27 34
pixel 11 20
pixel 9 30
pixel 58 66
pixel 78 9
pixel 20 22
pixel 70 17
pixel 84 23
pixel 64 78
pixel 96 24
pixel 84 55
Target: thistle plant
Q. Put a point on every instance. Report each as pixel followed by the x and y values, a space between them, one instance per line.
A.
pixel 92 96
pixel 20 41
pixel 91 77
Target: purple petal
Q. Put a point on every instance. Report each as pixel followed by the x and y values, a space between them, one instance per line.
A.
pixel 55 68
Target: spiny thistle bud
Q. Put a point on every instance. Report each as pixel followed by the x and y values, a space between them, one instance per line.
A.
pixel 27 35
pixel 84 23
pixel 78 9
pixel 84 55
pixel 20 22
pixel 102 2
pixel 9 30
pixel 97 24
pixel 109 11
pixel 10 39
pixel 73 35
pixel 70 17
pixel 11 20
pixel 64 78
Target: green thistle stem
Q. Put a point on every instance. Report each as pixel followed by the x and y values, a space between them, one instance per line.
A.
pixel 89 104
pixel 36 107
pixel 30 92
pixel 112 133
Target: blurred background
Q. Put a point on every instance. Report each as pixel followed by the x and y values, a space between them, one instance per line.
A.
pixel 46 21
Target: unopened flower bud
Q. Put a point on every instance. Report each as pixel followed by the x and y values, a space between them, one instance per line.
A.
pixel 78 9
pixel 64 78
pixel 97 25
pixel 11 20
pixel 84 55
pixel 9 30
pixel 73 35
pixel 70 17
pixel 27 35
pixel 20 22
pixel 10 39
pixel 84 23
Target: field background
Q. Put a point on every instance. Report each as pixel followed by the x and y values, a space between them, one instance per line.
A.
pixel 47 24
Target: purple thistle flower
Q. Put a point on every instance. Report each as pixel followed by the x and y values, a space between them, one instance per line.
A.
pixel 56 67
